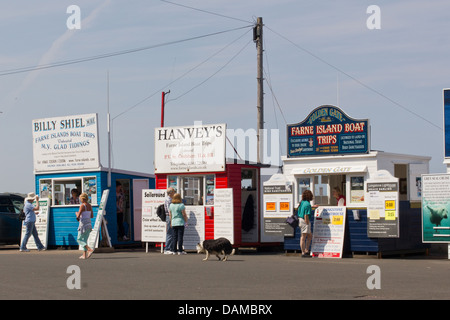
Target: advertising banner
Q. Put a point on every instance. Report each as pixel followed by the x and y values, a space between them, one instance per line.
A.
pixel 327 130
pixel 153 229
pixel 329 231
pixel 41 224
pixel 197 148
pixel 435 208
pixel 382 206
pixel 66 143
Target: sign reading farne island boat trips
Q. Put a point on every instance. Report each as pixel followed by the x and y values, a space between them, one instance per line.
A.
pixel 327 130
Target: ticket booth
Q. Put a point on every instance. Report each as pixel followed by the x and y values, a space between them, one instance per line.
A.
pixel 329 150
pixel 192 160
pixel 66 164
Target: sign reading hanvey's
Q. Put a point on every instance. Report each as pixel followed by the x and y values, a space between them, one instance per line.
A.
pixel 327 130
pixel 66 143
pixel 197 148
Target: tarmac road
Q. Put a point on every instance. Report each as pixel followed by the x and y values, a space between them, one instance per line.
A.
pixel 134 274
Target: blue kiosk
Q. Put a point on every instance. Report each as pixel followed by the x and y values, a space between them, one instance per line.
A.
pixel 66 164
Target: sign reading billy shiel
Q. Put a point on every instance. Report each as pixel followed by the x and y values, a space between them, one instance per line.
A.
pixel 327 130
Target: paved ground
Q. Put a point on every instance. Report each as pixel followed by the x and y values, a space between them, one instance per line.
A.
pixel 134 274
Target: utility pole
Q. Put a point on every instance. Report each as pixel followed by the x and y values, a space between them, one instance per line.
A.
pixel 163 103
pixel 258 39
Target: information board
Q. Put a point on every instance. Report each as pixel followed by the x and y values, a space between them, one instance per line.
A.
pixel 329 231
pixel 382 199
pixel 41 225
pixel 224 214
pixel 153 229
pixel 195 230
pixel 94 235
pixel 435 208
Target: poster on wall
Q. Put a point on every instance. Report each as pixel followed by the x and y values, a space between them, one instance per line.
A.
pixel 41 225
pixel 328 130
pixel 224 214
pixel 329 231
pixel 153 229
pixel 382 206
pixel 66 143
pixel 194 231
pixel 435 208
pixel 197 148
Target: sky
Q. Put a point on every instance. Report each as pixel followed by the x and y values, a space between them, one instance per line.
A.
pixel 315 53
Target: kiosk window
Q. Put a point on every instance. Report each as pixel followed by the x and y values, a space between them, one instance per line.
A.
pixel 321 190
pixel 356 189
pixel 193 190
pixel 64 192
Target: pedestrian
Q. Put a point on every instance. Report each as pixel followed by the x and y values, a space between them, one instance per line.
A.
pixel 178 220
pixel 30 222
pixel 84 215
pixel 304 215
pixel 169 233
pixel 120 210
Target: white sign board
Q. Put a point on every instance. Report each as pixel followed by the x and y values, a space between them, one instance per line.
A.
pixel 382 200
pixel 328 233
pixel 153 229
pixel 197 148
pixel 41 225
pixel 224 214
pixel 195 231
pixel 93 236
pixel 66 143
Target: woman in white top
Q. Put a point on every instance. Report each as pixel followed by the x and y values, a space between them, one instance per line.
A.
pixel 84 215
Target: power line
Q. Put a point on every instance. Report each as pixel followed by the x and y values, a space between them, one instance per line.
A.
pixel 205 11
pixel 353 78
pixel 220 69
pixel 182 76
pixel 112 54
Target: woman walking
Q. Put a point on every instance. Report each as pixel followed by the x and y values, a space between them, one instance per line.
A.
pixel 178 220
pixel 84 215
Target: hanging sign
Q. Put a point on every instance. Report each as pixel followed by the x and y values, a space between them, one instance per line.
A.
pixel 327 130
pixel 41 224
pixel 66 143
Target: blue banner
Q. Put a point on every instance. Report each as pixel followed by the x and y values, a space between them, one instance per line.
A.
pixel 327 130
pixel 447 122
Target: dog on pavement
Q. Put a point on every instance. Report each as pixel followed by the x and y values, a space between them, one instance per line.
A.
pixel 217 246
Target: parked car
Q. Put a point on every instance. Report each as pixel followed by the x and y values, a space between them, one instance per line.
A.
pixel 10 225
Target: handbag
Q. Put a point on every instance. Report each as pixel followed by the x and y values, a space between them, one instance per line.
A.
pixel 292 221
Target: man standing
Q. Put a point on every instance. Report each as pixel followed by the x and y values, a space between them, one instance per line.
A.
pixel 169 235
pixel 30 220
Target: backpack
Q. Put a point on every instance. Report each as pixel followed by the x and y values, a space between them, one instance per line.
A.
pixel 21 215
pixel 161 212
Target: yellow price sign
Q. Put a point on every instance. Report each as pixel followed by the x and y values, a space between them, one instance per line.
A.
pixel 389 204
pixel 389 215
pixel 337 220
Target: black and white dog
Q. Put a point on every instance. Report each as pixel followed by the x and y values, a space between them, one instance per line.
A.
pixel 217 247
